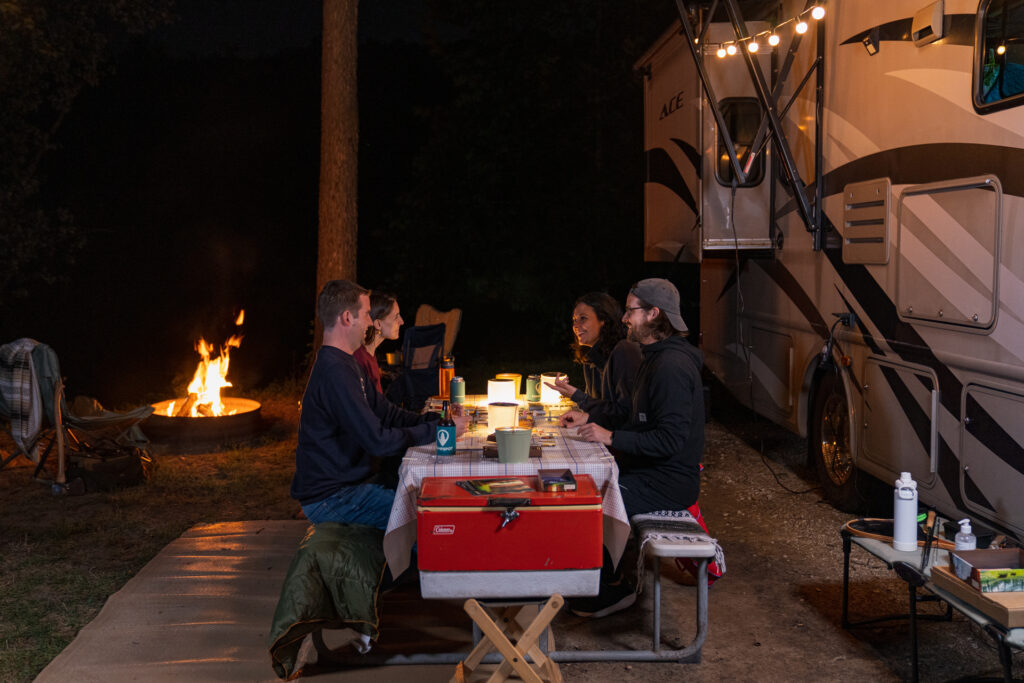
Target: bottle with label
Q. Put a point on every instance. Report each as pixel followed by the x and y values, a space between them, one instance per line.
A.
pixel 444 377
pixel 904 515
pixel 446 431
pixel 965 540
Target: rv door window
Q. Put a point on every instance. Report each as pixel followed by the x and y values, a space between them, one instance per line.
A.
pixel 743 117
pixel 999 55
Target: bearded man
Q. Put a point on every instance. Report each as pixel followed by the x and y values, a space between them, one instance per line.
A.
pixel 660 446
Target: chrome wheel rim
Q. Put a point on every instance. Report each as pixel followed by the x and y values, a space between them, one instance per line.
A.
pixel 835 440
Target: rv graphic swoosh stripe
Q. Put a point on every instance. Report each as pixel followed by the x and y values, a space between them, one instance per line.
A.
pixel 933 162
pixel 691 153
pixel 927 163
pixel 662 170
pixel 959 31
pixel 789 285
pixel 920 422
pixel 909 346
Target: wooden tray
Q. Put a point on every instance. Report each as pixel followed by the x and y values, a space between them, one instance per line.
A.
pixel 1005 608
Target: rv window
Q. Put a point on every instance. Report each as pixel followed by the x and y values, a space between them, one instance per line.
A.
pixel 999 55
pixel 742 117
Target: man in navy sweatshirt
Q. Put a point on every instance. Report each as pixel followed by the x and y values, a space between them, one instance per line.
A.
pixel 345 421
pixel 660 448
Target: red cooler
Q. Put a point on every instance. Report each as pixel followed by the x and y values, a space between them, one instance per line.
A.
pixel 500 537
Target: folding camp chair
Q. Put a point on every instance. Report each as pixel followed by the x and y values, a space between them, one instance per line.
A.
pixel 428 315
pixel 32 399
pixel 421 359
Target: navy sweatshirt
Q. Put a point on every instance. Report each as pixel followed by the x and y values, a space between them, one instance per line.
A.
pixel 344 422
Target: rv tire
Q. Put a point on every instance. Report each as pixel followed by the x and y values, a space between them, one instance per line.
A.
pixel 828 442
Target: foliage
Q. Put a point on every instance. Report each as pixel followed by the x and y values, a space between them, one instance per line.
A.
pixel 50 51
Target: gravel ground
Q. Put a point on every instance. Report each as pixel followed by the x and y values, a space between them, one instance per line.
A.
pixel 776 613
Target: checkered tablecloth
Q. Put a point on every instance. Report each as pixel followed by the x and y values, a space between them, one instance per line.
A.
pixel 560 448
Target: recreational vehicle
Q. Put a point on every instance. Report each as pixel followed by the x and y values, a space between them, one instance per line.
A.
pixel 850 177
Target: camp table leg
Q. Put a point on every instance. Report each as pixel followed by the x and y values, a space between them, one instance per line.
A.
pixel 494 636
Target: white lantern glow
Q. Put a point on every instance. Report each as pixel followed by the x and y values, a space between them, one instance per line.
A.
pixel 502 414
pixel 501 390
pixel 517 381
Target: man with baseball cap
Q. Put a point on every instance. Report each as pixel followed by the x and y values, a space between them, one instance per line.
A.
pixel 660 445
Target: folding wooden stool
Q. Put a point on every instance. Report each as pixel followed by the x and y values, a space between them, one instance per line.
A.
pixel 497 622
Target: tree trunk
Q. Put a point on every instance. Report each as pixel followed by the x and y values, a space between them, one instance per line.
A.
pixel 339 147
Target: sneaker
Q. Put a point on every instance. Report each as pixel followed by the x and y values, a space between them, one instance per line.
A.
pixel 612 598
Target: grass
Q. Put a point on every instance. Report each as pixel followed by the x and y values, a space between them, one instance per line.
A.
pixel 61 558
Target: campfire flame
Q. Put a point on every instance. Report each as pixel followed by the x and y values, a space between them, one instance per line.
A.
pixel 211 376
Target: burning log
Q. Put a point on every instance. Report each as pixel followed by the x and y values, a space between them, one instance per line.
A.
pixel 186 407
pixel 205 410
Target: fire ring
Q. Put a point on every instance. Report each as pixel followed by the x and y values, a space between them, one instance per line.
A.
pixel 245 422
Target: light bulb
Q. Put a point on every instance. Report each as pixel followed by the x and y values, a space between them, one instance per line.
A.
pixel 773 39
pixel 752 46
pixel 721 52
pixel 818 12
pixel 801 27
pixel 1001 50
pixel 731 49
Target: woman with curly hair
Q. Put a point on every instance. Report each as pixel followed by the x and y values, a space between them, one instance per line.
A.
pixel 386 322
pixel 609 360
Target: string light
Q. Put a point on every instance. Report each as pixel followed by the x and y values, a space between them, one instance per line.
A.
pixel 1001 50
pixel 772 37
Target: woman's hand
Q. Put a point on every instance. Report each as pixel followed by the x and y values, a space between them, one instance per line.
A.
pixel 563 387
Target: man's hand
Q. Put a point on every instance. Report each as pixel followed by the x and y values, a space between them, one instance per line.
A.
pixel 563 387
pixel 573 418
pixel 595 432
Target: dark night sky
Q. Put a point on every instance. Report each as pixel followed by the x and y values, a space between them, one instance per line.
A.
pixel 193 171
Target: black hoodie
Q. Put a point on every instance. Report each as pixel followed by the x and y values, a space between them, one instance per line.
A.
pixel 660 448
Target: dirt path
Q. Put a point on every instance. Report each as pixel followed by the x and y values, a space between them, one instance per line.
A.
pixel 776 614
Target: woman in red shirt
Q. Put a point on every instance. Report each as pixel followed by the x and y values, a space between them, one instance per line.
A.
pixel 386 322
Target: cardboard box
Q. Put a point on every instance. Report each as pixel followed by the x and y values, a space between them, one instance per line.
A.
pixel 990 571
pixel 1003 608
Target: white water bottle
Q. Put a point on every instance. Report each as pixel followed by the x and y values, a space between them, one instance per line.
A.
pixel 904 515
pixel 965 540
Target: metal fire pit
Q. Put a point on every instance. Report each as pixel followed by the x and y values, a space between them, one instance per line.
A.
pixel 195 431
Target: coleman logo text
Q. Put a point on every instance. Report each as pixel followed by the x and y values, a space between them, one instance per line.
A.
pixel 444 529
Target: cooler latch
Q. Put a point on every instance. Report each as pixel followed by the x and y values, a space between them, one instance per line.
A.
pixel 509 514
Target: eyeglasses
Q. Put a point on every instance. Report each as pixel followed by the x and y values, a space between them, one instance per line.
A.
pixel 635 308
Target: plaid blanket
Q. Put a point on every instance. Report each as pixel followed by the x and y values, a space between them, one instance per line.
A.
pixel 20 390
pixel 676 525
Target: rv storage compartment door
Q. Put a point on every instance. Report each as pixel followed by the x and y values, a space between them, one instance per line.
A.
pixel 740 222
pixel 897 421
pixel 948 246
pixel 992 454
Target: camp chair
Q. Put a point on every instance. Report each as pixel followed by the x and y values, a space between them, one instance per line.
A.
pixel 32 400
pixel 428 315
pixel 421 359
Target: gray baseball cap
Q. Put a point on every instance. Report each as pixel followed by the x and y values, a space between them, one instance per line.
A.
pixel 656 291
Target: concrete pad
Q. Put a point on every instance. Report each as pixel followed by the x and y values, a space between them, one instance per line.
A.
pixel 201 611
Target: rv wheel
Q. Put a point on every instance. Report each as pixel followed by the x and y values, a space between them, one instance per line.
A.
pixel 829 443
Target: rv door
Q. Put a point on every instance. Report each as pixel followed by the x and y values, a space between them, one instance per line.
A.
pixel 734 215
